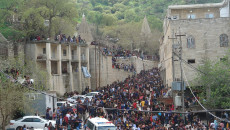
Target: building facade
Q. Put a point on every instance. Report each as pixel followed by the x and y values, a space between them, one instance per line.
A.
pixel 63 62
pixel 204 30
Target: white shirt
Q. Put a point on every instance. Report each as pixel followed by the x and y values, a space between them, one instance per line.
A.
pixel 68 115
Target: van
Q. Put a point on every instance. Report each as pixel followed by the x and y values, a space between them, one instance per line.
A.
pixel 99 124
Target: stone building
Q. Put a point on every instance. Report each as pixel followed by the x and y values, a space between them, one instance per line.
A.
pixel 9 49
pixel 206 28
pixel 145 29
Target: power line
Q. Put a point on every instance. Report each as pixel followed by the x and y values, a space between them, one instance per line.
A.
pixel 201 104
pixel 166 59
pixel 191 66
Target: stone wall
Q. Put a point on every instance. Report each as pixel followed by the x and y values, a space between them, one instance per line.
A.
pixel 108 74
pixel 207 44
pixel 138 63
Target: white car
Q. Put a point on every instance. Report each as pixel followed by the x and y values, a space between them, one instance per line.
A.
pixel 30 121
pixel 74 98
pixel 60 103
pixel 91 94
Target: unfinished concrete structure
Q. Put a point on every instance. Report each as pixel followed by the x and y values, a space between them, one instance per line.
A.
pixel 207 30
pixel 63 63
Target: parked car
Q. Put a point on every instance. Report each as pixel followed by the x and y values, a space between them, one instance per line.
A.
pixel 91 94
pixel 31 122
pixel 74 98
pixel 60 103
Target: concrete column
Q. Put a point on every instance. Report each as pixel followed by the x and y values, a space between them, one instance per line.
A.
pixel 70 68
pixel 48 57
pixel 87 60
pixel 59 59
pixel 79 68
pixel 48 62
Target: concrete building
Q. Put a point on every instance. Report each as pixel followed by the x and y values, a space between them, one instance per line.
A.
pixel 63 63
pixel 206 28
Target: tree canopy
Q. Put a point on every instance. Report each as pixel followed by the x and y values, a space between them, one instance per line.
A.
pixel 29 17
pixel 214 83
pixel 12 94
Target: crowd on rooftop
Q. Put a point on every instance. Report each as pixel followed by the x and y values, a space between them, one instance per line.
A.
pixel 61 38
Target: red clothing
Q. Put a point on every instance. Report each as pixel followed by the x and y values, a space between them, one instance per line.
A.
pixel 134 105
pixel 66 119
pixel 151 119
pixel 38 38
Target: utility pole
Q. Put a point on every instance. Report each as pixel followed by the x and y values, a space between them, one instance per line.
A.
pixel 182 82
pixel 95 63
pixel 173 48
pixel 99 64
pixel 173 65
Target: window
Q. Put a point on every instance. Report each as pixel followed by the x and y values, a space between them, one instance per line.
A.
pixel 191 16
pixel 90 125
pixel 36 120
pixel 3 51
pixel 223 40
pixel 191 42
pixel 64 52
pixel 191 61
pixel 28 120
pixel 44 50
pixel 223 59
pixel 175 17
pixel 15 50
pixel 209 16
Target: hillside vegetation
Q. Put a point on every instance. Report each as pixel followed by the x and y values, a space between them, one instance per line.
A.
pixel 114 19
pixel 122 19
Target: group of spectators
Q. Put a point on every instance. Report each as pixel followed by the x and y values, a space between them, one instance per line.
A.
pixel 133 104
pixel 61 38
pixel 15 76
pixel 125 67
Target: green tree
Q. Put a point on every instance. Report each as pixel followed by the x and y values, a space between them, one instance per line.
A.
pixel 36 12
pixel 215 83
pixel 12 94
pixel 108 20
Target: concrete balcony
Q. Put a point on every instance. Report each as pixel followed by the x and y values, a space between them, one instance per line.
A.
pixel 41 57
pixel 75 58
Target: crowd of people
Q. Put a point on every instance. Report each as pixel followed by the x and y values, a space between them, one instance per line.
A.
pixel 14 75
pixel 128 104
pixel 61 38
pixel 125 67
pixel 132 105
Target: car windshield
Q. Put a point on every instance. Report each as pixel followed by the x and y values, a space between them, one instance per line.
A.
pixel 106 128
pixel 90 94
pixel 59 104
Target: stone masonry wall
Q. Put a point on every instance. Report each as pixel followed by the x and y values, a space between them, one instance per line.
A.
pixel 108 74
pixel 207 43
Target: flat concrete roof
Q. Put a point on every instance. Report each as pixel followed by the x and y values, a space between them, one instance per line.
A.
pixel 57 42
pixel 209 5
